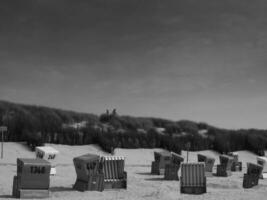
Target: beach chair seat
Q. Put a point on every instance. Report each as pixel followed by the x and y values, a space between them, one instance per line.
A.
pixel 114 175
pixel 193 179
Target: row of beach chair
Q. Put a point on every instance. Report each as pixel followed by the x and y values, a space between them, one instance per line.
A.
pixel 193 175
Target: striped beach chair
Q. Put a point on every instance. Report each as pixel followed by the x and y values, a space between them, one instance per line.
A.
pixel 114 174
pixel 209 163
pixel 193 178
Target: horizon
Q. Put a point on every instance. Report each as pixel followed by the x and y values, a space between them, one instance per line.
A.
pixel 175 59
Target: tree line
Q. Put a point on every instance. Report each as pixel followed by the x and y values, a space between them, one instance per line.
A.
pixel 37 125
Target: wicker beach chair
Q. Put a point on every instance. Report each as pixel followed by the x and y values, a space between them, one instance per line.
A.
pixel 224 169
pixel 209 163
pixel 90 176
pixel 32 179
pixel 171 170
pixel 161 160
pixel 251 178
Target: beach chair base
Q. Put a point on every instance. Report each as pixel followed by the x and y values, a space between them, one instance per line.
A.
pixel 32 194
pixel 116 183
pixel 193 190
pixel 250 180
pixel 171 172
pixel 94 183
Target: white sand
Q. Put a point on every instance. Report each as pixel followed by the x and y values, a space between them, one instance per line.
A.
pixel 141 185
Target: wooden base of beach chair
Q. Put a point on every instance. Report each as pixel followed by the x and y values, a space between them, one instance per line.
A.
pixel 250 180
pixel 116 183
pixel 193 190
pixel 17 192
pixel 171 172
pixel 94 183
pixel 221 171
pixel 32 194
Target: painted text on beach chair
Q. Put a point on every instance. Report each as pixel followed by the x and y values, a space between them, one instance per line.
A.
pixel 33 178
pixel 193 179
pixel 114 174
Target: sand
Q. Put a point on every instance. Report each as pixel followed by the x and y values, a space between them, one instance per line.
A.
pixel 141 184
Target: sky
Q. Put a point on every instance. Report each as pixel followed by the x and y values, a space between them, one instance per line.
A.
pixel 202 60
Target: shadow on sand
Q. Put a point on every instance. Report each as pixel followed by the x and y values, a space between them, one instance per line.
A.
pixel 6 196
pixel 154 179
pixel 145 173
pixel 61 189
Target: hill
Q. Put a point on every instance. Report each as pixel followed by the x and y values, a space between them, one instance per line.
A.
pixel 39 124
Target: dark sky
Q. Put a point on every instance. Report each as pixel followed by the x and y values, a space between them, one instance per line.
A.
pixel 201 60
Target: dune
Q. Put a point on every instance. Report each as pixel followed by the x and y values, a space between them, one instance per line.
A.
pixel 141 185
